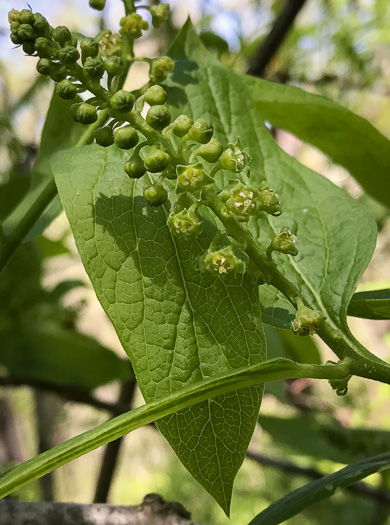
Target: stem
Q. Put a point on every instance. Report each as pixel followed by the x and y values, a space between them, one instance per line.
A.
pixel 129 7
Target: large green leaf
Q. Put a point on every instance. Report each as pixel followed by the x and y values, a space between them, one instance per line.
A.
pixel 345 137
pixel 336 236
pixel 371 305
pixel 296 501
pixel 178 326
pixel 49 354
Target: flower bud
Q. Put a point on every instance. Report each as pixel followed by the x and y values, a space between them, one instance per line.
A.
pixel 44 66
pixel 201 131
pixel 284 242
pixel 126 137
pixel 41 25
pixel 14 16
pixel 306 321
pixel 61 34
pixel 240 201
pixel 26 17
pixel 114 65
pixel 69 55
pixel 210 151
pixel 158 117
pixel 93 68
pixel 14 26
pixel 89 48
pixel 43 47
pixel 159 14
pixel 66 90
pixel 156 160
pixel 156 194
pixel 155 95
pixel 159 69
pixel 84 113
pixel 28 47
pixel 234 159
pixel 185 223
pixel 222 262
pixel 182 125
pixel 268 200
pixel 135 167
pixel 104 137
pixel 58 72
pixel 109 44
pixel 15 39
pixel 190 178
pixel 99 5
pixel 122 101
pixel 133 25
pixel 26 32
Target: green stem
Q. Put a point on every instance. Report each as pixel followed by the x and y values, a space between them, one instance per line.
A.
pixel 115 428
pixel 129 7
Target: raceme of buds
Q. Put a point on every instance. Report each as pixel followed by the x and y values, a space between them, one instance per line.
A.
pixel 284 242
pixel 133 25
pixel 126 137
pixel 234 158
pixel 201 131
pixel 268 200
pixel 158 117
pixel 159 14
pixel 185 224
pixel 240 201
pixel 156 195
pixel 156 160
pixel 221 262
pixel 307 321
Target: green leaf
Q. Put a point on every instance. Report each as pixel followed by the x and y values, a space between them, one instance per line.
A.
pixel 11 193
pixel 282 343
pixel 52 355
pixel 349 140
pixel 187 397
pixel 371 305
pixel 336 236
pixel 276 310
pixel 178 325
pixel 320 489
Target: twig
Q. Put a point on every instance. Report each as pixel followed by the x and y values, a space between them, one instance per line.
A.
pixel 275 37
pixel 153 510
pixel 111 453
pixel 360 488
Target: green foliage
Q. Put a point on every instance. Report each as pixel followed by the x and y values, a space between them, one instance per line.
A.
pixel 371 305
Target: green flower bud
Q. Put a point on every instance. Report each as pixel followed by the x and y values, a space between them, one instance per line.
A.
pixel 234 159
pixel 240 201
pixel 182 125
pixel 15 39
pixel 114 65
pixel 43 47
pixel 126 137
pixel 26 17
pixel 93 68
pixel 44 66
pixel 29 47
pixel 104 137
pixel 159 69
pixel 185 223
pixel 201 131
pixel 284 242
pixel 26 32
pixel 66 90
pixel 156 194
pixel 159 14
pixel 155 95
pixel 69 55
pixel 122 101
pixel 84 113
pixel 89 48
pixel 158 117
pixel 135 167
pixel 210 151
pixel 191 178
pixel 306 321
pixel 109 44
pixel 99 5
pixel 14 26
pixel 222 262
pixel 268 200
pixel 41 25
pixel 61 34
pixel 133 25
pixel 156 160
pixel 14 16
pixel 58 72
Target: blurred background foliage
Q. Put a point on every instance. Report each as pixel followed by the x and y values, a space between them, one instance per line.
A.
pixel 62 369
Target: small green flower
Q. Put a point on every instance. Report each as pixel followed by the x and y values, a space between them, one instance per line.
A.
pixel 240 201
pixel 93 68
pixel 114 65
pixel 159 14
pixel 29 47
pixel 61 34
pixel 222 262
pixel 155 96
pixel 104 136
pixel 109 44
pixel 307 321
pixel 135 167
pixel 126 137
pixel 284 242
pixel 15 39
pixel 268 200
pixel 41 25
pixel 156 195
pixel 158 117
pixel 201 131
pixel 89 48
pixel 234 158
pixel 44 66
pixel 159 69
pixel 68 55
pixel 84 113
pixel 122 101
pixel 66 90
pixel 26 17
pixel 59 72
pixel 14 16
pixel 182 125
pixel 26 32
pixel 156 160
pixel 185 224
pixel 43 47
pixel 133 25
pixel 191 179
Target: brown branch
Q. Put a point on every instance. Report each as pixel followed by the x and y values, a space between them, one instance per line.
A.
pixel 154 510
pixel 360 488
pixel 275 37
